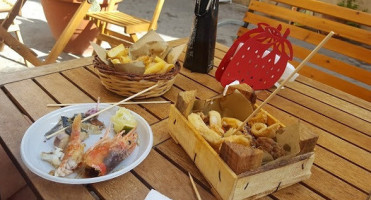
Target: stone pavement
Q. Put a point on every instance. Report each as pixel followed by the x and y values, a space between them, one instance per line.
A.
pixel 176 21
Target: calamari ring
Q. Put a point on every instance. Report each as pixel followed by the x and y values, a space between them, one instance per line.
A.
pixel 261 117
pixel 262 130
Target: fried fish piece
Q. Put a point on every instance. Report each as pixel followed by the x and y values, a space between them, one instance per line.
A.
pixel 210 136
pixel 215 122
pixel 239 139
pixel 270 146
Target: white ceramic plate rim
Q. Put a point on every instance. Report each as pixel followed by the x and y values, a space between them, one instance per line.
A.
pixel 74 109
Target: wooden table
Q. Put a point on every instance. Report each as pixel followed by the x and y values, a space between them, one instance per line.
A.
pixel 342 164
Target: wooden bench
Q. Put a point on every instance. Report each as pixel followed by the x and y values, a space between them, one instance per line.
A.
pixel 309 21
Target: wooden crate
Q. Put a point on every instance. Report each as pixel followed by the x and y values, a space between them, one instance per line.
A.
pixel 227 185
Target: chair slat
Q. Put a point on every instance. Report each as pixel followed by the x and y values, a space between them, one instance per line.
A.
pixel 336 45
pixel 335 65
pixel 324 8
pixel 322 24
pixel 335 82
pixel 131 24
pixel 350 41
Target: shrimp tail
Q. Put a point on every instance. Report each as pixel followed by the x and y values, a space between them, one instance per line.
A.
pixel 73 152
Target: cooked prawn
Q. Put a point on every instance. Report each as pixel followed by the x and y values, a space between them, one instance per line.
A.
pixel 108 152
pixel 74 151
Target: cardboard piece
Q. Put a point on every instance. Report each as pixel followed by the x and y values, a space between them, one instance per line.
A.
pixel 308 139
pixel 289 139
pixel 237 103
pixel 185 102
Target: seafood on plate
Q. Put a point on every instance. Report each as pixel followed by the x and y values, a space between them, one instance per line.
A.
pixel 108 152
pixel 54 157
pixel 100 158
pixel 91 126
pixel 74 151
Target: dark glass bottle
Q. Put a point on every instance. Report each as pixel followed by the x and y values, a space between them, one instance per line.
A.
pixel 200 50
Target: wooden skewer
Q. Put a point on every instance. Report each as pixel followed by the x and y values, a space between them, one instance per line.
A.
pixel 301 65
pixel 109 107
pixel 124 103
pixel 194 187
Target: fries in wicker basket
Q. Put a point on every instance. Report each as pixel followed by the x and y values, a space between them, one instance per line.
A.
pixel 149 61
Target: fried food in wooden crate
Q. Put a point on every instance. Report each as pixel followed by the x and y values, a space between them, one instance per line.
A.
pixel 260 159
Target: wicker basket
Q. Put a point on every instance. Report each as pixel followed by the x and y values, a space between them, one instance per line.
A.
pixel 126 84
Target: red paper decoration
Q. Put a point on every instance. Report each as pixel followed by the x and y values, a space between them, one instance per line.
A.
pixel 260 60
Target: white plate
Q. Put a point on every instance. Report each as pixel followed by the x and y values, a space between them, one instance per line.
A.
pixel 33 143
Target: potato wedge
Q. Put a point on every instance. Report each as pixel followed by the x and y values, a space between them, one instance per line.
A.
pixel 167 68
pixel 115 61
pixel 154 68
pixel 125 59
pixel 117 51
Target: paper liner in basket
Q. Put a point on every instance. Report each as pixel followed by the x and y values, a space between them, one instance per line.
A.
pixel 138 55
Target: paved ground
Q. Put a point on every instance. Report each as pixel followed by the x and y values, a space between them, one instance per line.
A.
pixel 176 21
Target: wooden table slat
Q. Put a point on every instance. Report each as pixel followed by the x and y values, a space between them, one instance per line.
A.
pixel 44 70
pixel 126 187
pixel 334 144
pixel 332 187
pixel 12 134
pixel 91 85
pixel 62 89
pixel 166 178
pixel 177 155
pixel 160 132
pixel 188 84
pixel 297 191
pixel 337 93
pixel 336 128
pixel 341 170
pixel 31 98
pixel 331 100
pixel 330 112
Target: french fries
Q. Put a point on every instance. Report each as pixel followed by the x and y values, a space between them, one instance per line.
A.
pixel 153 64
pixel 155 67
